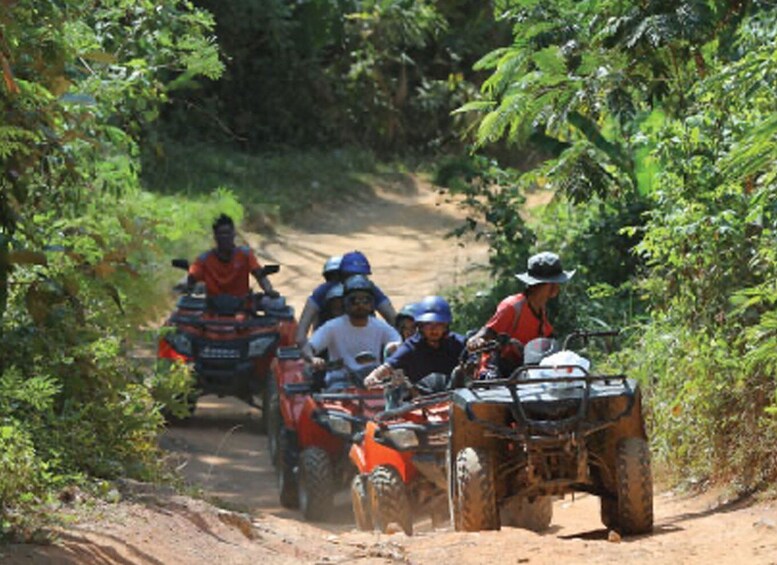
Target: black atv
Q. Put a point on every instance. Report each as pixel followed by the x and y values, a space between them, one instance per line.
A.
pixel 543 431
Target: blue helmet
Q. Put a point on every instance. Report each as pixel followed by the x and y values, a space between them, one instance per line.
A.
pixel 358 282
pixel 434 309
pixel 332 264
pixel 355 263
pixel 408 311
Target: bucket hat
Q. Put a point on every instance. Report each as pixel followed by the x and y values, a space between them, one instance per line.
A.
pixel 544 267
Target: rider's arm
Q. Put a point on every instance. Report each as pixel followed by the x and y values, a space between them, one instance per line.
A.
pixel 306 319
pixel 386 309
pixel 196 272
pixel 481 336
pixel 264 283
pixel 378 375
pixel 309 355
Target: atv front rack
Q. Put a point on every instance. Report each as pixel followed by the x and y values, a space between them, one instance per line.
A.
pixel 521 388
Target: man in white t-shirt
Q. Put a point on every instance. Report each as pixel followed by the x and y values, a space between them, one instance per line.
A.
pixel 354 333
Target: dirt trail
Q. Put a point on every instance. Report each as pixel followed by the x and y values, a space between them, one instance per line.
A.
pixel 401 229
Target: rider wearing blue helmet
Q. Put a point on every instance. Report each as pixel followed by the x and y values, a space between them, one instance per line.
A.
pixel 352 263
pixel 433 349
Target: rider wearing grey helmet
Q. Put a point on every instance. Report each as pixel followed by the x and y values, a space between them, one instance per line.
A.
pixel 354 333
pixel 352 263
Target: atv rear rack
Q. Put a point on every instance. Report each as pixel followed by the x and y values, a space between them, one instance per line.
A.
pixel 334 396
pixel 415 404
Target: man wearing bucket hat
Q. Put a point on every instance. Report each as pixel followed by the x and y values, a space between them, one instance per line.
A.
pixel 524 316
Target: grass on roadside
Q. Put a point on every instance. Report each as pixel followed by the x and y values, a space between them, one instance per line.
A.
pixel 272 187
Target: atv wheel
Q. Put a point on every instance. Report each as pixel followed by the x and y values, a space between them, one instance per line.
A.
pixel 453 498
pixel 315 483
pixel 440 513
pixel 273 409
pixel 635 487
pixel 361 503
pixel 261 426
pixel 287 461
pixel 475 490
pixel 609 512
pixel 535 515
pixel 389 500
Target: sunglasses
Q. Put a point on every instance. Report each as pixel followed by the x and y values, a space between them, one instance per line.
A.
pixel 360 300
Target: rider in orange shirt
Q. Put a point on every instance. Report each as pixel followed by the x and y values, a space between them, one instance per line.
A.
pixel 523 316
pixel 225 269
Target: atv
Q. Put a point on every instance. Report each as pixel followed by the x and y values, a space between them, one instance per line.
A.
pixel 546 430
pixel 400 459
pixel 229 342
pixel 317 431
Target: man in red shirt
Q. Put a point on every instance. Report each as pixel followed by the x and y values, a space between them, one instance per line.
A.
pixel 225 269
pixel 523 316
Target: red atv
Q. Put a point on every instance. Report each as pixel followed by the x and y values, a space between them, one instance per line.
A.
pixel 229 342
pixel 316 432
pixel 401 465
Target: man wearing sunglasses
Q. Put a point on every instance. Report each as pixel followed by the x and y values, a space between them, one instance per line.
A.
pixel 336 270
pixel 349 336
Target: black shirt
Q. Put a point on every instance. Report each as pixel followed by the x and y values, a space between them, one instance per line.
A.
pixel 417 359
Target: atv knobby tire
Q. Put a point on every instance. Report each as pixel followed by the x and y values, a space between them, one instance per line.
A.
pixel 390 504
pixel 361 503
pixel 261 426
pixel 287 478
pixel 315 483
pixel 274 423
pixel 440 513
pixel 634 481
pixel 475 491
pixel 533 515
pixel 609 512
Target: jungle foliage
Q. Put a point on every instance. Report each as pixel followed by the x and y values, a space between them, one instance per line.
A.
pixel 381 74
pixel 652 123
pixel 658 118
pixel 80 243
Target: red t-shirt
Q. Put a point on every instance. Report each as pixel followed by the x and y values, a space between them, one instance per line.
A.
pixel 225 277
pixel 526 327
pixel 514 317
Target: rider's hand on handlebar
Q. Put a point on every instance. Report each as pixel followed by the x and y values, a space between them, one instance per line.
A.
pixel 475 343
pixel 372 381
pixel 318 363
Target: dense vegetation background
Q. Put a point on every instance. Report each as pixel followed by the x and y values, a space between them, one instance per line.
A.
pixel 653 124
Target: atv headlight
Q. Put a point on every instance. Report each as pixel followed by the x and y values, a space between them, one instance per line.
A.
pixel 340 426
pixel 403 438
pixel 181 343
pixel 260 345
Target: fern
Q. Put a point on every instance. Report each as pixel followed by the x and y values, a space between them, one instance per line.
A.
pixel 16 140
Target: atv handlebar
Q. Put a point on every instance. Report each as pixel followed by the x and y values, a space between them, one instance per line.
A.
pixel 585 335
